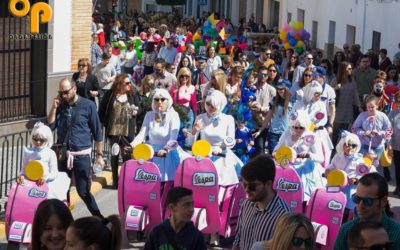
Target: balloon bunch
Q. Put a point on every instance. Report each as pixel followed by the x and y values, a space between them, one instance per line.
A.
pixel 293 36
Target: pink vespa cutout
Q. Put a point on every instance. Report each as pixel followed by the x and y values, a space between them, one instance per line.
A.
pixel 198 173
pixel 287 181
pixel 326 207
pixel 139 191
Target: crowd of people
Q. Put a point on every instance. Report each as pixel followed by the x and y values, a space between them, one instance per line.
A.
pixel 165 89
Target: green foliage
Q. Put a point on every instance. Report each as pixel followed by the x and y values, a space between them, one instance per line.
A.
pixel 171 2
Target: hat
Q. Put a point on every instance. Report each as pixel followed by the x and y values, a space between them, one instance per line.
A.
pixel 282 83
pixel 201 58
pixel 319 71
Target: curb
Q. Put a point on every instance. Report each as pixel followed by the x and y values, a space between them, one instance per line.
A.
pixel 99 181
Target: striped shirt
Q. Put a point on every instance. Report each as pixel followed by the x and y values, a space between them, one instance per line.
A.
pixel 255 225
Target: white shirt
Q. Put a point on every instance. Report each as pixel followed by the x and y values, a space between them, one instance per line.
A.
pixel 131 59
pixel 212 64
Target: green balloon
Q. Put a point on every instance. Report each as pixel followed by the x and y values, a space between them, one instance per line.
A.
pixel 197 44
pixel 115 44
pixel 298 50
pixel 138 53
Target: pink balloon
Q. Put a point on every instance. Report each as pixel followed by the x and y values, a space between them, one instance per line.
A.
pixel 242 46
pixel 286 27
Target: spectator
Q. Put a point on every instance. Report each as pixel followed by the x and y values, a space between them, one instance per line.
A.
pixel 263 60
pixel 235 50
pixel 384 61
pixel 369 235
pixel 374 58
pixel 114 60
pixel 291 65
pixel 364 77
pixel 105 73
pixel 163 79
pixel 178 231
pixel 101 35
pixel 87 84
pixel 184 63
pixel 293 231
pixel 355 54
pixel 371 199
pixel 243 60
pixel 94 233
pixel 394 144
pixel 148 57
pixel 117 113
pixel 129 59
pixel 213 62
pixel 190 53
pixel 168 52
pixel 308 63
pixel 171 68
pixel 96 51
pixel 77 124
pixel 337 59
pixel 327 65
pixel 260 212
pixel 52 218
pixel 347 53
pixel 226 65
pixel 392 73
pixel 397 55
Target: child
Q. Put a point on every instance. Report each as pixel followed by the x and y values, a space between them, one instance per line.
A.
pixel 244 141
pixel 94 233
pixel 52 218
pixel 42 140
pixel 101 35
pixel 177 232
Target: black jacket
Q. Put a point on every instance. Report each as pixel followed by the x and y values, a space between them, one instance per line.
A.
pixel 106 107
pixel 91 84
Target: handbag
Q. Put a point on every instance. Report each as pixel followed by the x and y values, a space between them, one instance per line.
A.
pixel 386 160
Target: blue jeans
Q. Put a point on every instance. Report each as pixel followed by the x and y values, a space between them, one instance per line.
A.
pixel 272 139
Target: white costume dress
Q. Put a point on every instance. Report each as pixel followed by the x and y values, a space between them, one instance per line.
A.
pixel 309 169
pixel 58 182
pixel 215 130
pixel 158 134
pixel 319 117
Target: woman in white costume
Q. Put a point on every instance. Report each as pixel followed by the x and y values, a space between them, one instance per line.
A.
pixel 219 130
pixel 309 152
pixel 160 129
pixel 317 112
pixel 42 140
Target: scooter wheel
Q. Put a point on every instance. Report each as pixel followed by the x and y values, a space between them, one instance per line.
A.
pixel 16 246
pixel 135 235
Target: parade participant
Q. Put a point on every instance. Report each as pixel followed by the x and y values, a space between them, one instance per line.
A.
pixel 316 111
pixel 347 96
pixel 87 84
pixel 213 62
pixel 298 72
pixel 309 152
pixel 160 128
pixel 178 231
pixel 394 144
pixel 162 78
pixel 117 113
pixel 42 140
pixel 379 92
pixel 373 128
pixel 371 199
pixel 293 231
pixel 277 119
pixel 259 213
pixel 52 218
pixel 94 233
pixel 219 130
pixel 77 124
pixel 244 147
pixel 217 81
pixel 369 235
pixel 183 93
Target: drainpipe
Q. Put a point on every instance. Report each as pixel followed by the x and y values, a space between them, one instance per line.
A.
pixel 364 24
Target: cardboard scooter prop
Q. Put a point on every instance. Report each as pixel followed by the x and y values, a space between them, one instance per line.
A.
pixel 198 173
pixel 287 181
pixel 22 202
pixel 139 191
pixel 326 208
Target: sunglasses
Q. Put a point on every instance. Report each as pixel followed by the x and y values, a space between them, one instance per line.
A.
pixel 299 128
pixel 41 140
pixel 317 93
pixel 184 76
pixel 309 58
pixel 387 246
pixel 251 186
pixel 209 104
pixel 128 83
pixel 262 75
pixel 65 92
pixel 82 65
pixel 351 145
pixel 366 201
pixel 307 75
pixel 295 57
pixel 268 54
pixel 349 68
pixel 272 70
pixel 160 99
pixel 297 242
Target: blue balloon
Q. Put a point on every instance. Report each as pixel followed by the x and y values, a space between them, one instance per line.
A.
pixel 292 42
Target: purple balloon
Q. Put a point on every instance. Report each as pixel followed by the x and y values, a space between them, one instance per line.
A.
pixel 302 32
pixel 307 36
pixel 292 32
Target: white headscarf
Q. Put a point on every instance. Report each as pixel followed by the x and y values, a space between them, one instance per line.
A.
pixel 44 132
pixel 217 99
pixel 347 137
pixel 310 89
pixel 300 118
pixel 164 94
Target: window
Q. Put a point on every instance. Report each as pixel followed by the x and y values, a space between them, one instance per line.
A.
pixel 376 40
pixel 350 34
pixel 289 17
pixel 300 15
pixel 314 34
pixel 151 7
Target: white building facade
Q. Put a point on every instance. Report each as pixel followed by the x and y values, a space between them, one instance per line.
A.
pixel 369 23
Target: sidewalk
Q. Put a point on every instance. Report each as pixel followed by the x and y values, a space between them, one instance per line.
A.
pixel 99 182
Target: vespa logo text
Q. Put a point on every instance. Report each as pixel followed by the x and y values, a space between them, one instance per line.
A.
pixel 204 179
pixel 335 205
pixel 142 175
pixel 36 193
pixel 39 12
pixel 287 186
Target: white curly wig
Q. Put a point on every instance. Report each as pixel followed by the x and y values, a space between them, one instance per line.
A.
pixel 347 137
pixel 164 94
pixel 300 118
pixel 42 131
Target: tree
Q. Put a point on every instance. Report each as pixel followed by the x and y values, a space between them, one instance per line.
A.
pixel 171 2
